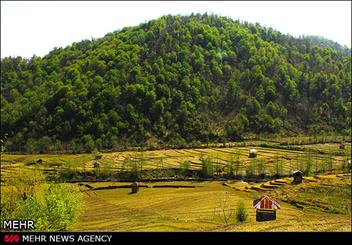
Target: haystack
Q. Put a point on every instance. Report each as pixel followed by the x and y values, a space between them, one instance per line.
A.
pixel 252 153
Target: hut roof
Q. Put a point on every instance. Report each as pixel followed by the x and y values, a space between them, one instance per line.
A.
pixel 297 172
pixel 266 202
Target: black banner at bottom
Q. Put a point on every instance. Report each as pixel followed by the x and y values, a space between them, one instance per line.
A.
pixel 122 237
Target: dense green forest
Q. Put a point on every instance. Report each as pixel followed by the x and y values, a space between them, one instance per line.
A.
pixel 174 81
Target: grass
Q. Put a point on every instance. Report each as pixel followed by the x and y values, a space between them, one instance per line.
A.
pixel 172 158
pixel 321 203
pixel 331 195
pixel 197 209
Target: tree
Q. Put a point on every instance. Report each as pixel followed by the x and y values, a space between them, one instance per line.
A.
pixel 195 78
pixel 25 182
pixel 207 166
pixel 88 142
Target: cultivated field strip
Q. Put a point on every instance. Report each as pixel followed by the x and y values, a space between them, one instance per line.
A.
pixel 164 159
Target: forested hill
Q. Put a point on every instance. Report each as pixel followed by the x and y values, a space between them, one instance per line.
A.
pixel 175 80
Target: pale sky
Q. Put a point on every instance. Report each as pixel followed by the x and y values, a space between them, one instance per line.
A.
pixel 29 28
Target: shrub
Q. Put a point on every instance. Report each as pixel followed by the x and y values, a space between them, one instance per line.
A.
pixel 97 155
pixel 132 167
pixel 51 209
pixel 25 181
pixel 237 166
pixel 330 163
pixel 207 167
pixel 223 211
pixel 230 169
pixel 278 168
pixel 88 143
pixel 250 170
pixel 308 164
pixel 261 168
pixel 69 172
pixel 241 213
pixel 184 167
pixel 96 169
pixel 106 171
pixel 61 205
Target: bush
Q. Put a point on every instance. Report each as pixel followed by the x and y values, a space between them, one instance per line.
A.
pixel 88 143
pixel 241 213
pixel 97 155
pixel 60 206
pixel 132 167
pixel 207 167
pixel 69 172
pixel 250 170
pixel 44 145
pixel 96 169
pixel 330 163
pixel 25 181
pixel 51 209
pixel 278 168
pixel 308 164
pixel 184 167
pixel 261 168
pixel 223 211
pixel 106 171
pixel 230 169
pixel 237 166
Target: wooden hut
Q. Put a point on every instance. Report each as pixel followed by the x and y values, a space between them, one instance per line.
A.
pixel 252 153
pixel 297 177
pixel 135 187
pixel 266 208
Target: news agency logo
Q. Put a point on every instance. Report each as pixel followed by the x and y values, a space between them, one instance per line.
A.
pixel 18 225
pixel 13 238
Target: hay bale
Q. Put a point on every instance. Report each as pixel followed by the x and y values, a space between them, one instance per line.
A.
pixel 252 153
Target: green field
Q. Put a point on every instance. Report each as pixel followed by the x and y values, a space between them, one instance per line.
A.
pixel 321 203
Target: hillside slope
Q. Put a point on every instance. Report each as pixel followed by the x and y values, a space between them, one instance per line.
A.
pixel 175 80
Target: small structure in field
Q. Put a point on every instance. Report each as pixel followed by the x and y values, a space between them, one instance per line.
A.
pixel 135 187
pixel 266 208
pixel 297 177
pixel 342 146
pixel 252 153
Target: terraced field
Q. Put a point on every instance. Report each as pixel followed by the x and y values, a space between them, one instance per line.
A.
pixel 320 203
pixel 180 208
pixel 164 159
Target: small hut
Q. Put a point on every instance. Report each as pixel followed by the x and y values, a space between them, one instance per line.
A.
pixel 266 208
pixel 135 187
pixel 252 153
pixel 297 177
pixel 342 146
